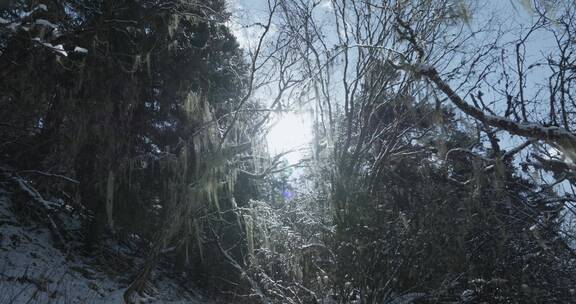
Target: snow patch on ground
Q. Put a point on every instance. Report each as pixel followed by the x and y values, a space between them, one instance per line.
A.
pixel 32 270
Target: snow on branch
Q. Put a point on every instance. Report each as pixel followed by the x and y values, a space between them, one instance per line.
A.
pixel 525 129
pixel 40 7
pixel 23 23
pixel 58 49
pixel 45 23
pixel 80 50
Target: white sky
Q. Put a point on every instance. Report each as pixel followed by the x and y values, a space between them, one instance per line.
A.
pixel 292 131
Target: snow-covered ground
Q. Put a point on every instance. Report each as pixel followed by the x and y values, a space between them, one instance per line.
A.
pixel 33 270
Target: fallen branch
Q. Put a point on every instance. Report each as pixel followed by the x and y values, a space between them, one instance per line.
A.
pixel 66 178
pixel 45 210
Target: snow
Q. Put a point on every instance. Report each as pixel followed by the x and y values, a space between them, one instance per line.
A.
pixel 32 270
pixel 528 127
pixel 4 21
pixel 33 193
pixel 468 295
pixel 45 23
pixel 80 50
pixel 13 26
pixel 40 7
pixel 59 49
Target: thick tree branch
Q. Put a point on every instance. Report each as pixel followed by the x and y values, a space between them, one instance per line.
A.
pixel 525 129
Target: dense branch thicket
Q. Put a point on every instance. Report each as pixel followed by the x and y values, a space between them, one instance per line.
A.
pixel 424 204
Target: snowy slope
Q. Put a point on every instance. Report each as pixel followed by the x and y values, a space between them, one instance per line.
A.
pixel 33 270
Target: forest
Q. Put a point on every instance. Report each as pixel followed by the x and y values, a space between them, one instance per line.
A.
pixel 287 151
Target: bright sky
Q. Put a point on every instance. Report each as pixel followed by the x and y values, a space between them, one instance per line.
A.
pixel 291 131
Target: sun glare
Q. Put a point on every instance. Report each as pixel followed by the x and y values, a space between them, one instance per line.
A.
pixel 290 131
